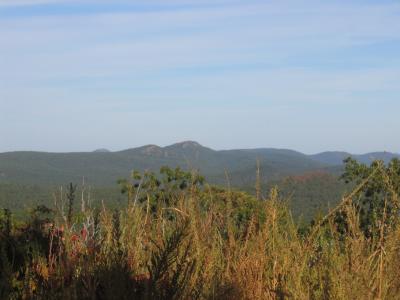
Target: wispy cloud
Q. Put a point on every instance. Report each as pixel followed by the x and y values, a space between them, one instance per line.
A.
pixel 10 3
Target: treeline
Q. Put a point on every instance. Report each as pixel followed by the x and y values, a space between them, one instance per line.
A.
pixel 178 238
pixel 22 198
pixel 306 194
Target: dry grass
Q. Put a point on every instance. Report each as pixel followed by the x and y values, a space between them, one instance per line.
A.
pixel 196 250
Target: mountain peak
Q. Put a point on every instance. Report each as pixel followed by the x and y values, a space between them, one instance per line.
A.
pixel 151 150
pixel 187 144
pixel 101 150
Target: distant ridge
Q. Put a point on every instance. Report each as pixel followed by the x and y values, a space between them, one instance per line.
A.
pixel 336 157
pixel 102 167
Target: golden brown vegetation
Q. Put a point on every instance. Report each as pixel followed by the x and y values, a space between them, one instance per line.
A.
pixel 201 247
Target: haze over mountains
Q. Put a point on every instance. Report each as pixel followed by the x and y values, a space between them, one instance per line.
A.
pixel 102 167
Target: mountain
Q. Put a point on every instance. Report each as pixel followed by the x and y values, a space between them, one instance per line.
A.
pixel 310 182
pixel 103 168
pixel 335 158
pixel 332 158
pixel 101 150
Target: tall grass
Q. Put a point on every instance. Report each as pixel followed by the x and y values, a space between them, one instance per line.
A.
pixel 200 247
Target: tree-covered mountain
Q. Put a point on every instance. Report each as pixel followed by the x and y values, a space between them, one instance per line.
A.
pixel 103 168
pixel 309 182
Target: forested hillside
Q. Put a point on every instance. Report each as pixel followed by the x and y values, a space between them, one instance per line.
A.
pixel 310 182
pixel 102 168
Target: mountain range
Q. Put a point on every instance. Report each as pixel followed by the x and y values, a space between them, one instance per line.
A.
pixel 103 167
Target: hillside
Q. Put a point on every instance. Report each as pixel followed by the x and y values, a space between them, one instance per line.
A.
pixel 308 181
pixel 104 168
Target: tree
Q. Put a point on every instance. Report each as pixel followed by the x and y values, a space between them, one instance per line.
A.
pixel 71 197
pixel 166 186
pixel 378 198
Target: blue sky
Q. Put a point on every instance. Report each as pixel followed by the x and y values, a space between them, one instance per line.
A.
pixel 306 75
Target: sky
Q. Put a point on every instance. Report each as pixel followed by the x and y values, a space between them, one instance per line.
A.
pixel 305 75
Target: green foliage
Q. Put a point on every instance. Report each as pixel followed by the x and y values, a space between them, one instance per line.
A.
pixel 165 187
pixel 21 198
pixel 170 265
pixel 377 198
pixel 71 197
pixel 20 246
pixel 310 193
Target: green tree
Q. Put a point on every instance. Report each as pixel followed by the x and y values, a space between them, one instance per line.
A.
pixel 165 187
pixel 378 198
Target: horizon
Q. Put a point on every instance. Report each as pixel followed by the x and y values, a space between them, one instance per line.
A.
pixel 110 150
pixel 76 76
